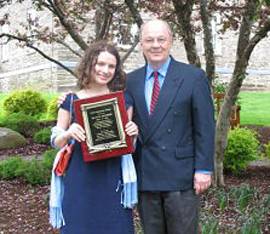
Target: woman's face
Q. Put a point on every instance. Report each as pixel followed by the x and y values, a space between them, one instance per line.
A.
pixel 104 69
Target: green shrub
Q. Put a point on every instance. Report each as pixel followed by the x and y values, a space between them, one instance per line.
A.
pixel 48 158
pixel 25 124
pixel 267 150
pixel 36 173
pixel 43 136
pixel 26 101
pixel 52 109
pixel 9 168
pixel 32 171
pixel 242 148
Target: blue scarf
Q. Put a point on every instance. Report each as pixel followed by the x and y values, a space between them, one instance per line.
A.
pixel 129 195
pixel 56 197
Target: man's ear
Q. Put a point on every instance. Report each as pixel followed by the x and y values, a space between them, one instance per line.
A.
pixel 140 44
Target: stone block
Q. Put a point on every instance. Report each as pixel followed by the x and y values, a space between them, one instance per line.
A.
pixel 10 139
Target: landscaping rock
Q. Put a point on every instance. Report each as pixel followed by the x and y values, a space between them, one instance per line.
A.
pixel 10 139
pixel 260 163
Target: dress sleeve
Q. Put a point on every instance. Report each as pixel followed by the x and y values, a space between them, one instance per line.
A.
pixel 66 104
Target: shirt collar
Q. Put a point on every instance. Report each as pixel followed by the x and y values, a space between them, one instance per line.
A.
pixel 162 70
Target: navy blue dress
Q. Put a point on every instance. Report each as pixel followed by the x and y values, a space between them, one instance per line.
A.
pixel 91 204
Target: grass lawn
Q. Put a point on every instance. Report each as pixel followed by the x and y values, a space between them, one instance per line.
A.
pixel 255 108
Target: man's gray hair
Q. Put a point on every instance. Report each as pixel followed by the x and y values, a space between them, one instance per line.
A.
pixel 156 20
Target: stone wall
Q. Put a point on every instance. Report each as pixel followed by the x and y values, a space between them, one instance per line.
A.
pixel 25 68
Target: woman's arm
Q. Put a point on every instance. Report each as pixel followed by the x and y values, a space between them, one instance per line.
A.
pixel 62 124
pixel 74 131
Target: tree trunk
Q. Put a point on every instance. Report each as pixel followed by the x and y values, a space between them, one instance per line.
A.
pixel 55 8
pixel 208 40
pixel 183 10
pixel 244 50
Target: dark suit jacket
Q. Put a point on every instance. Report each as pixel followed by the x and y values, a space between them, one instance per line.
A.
pixel 178 138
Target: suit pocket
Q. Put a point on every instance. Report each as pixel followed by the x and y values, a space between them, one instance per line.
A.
pixel 176 111
pixel 184 152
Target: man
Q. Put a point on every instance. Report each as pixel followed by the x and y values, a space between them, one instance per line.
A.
pixel 174 154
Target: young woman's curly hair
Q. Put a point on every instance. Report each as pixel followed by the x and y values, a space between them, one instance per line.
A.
pixel 89 61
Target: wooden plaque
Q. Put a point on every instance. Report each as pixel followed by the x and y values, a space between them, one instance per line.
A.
pixel 103 119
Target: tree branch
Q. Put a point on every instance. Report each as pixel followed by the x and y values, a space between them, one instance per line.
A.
pixel 4 3
pixel 259 35
pixel 68 47
pixel 245 28
pixel 138 19
pixel 67 24
pixel 28 44
pixel 134 12
pixel 103 21
pixel 126 55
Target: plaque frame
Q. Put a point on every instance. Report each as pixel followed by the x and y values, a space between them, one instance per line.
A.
pixel 106 105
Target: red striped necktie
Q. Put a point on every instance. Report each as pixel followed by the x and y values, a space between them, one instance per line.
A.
pixel 155 93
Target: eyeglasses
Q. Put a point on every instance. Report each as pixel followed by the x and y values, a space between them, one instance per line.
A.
pixel 159 40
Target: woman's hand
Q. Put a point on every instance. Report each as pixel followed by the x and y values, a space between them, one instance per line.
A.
pixel 76 132
pixel 131 129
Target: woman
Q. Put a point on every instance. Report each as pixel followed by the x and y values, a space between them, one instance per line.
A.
pixel 91 202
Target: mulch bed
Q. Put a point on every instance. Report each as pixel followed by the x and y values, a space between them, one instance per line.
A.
pixel 29 150
pixel 263 133
pixel 258 178
pixel 24 208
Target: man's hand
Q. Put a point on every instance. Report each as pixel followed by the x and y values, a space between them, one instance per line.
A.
pixel 202 182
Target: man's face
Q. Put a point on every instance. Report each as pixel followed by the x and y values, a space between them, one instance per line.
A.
pixel 156 43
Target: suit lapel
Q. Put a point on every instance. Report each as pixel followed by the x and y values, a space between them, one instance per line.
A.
pixel 171 85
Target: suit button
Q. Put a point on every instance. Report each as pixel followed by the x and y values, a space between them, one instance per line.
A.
pixel 169 130
pixel 163 147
